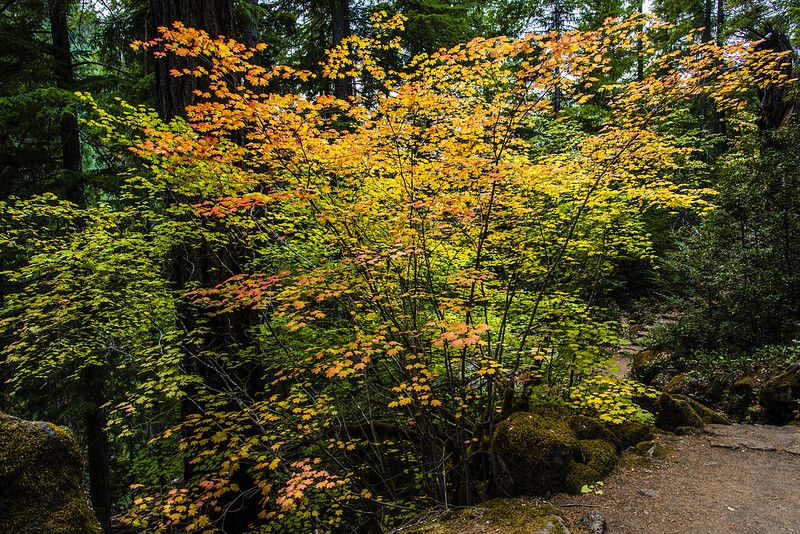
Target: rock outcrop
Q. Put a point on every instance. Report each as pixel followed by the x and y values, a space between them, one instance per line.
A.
pixel 779 397
pixel 41 475
pixel 510 516
pixel 541 453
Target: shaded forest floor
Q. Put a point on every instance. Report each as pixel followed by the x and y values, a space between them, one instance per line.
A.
pixel 740 478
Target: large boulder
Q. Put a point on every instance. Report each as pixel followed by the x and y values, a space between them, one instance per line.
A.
pixel 630 434
pixel 587 428
pixel 599 458
pixel 535 453
pixel 540 454
pixel 779 397
pixel 41 475
pixel 708 415
pixel 675 414
pixel 510 516
pixel 647 364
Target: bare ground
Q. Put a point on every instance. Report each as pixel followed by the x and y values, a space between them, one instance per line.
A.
pixel 727 479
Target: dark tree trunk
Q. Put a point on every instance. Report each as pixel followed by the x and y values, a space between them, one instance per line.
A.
pixel 97 447
pixel 558 26
pixel 777 103
pixel 197 261
pixel 706 37
pixel 640 51
pixel 248 27
pixel 719 116
pixel 70 137
pixel 213 16
pixel 96 436
pixel 340 25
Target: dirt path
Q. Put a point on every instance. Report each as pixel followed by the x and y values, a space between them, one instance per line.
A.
pixel 728 479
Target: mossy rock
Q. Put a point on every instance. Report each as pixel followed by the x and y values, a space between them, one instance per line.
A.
pixel 674 413
pixel 651 448
pixel 708 415
pixel 647 403
pixel 630 433
pixel 600 455
pixel 534 453
pixel 678 384
pixel 646 364
pixel 599 458
pixel 779 397
pixel 587 428
pixel 644 448
pixel 578 475
pixel 716 388
pixel 552 411
pixel 746 384
pixel 41 476
pixel 509 516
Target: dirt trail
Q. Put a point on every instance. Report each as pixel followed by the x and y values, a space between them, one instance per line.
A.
pixel 727 479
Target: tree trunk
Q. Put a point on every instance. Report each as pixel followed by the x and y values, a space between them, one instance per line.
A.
pixel 215 17
pixel 70 138
pixel 97 447
pixel 340 24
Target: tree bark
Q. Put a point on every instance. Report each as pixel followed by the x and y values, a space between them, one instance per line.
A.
pixel 97 447
pixel 340 25
pixel 65 79
pixel 213 16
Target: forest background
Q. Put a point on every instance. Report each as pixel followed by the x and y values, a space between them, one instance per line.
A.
pixel 292 282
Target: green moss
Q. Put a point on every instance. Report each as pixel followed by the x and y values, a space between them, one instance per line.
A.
pixel 746 384
pixel 533 452
pixel 651 449
pixel 552 411
pixel 643 448
pixel 716 388
pixel 630 433
pixel 41 475
pixel 587 428
pixel 600 455
pixel 579 474
pixel 779 397
pixel 599 458
pixel 647 403
pixel 708 415
pixel 676 413
pixel 789 379
pixel 646 365
pixel 509 516
pixel 678 384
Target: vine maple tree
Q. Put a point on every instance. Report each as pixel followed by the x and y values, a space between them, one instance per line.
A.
pixel 410 261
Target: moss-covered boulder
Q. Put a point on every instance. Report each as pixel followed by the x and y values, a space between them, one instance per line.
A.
pixel 716 387
pixel 630 433
pixel 779 397
pixel 746 384
pixel 678 384
pixel 600 455
pixel 587 428
pixel 41 475
pixel 676 413
pixel 646 364
pixel 534 453
pixel 509 516
pixel 551 451
pixel 599 458
pixel 708 415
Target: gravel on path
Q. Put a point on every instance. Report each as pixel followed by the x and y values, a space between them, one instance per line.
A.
pixel 726 479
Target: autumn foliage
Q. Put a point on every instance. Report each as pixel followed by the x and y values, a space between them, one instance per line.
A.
pixel 380 275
